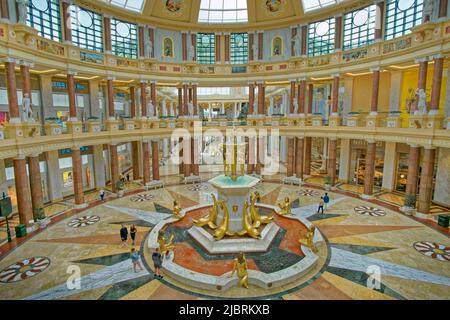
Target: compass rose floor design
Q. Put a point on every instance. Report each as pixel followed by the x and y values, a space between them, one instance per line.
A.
pixel 361 238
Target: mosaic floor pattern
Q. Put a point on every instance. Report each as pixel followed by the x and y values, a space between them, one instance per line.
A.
pixel 410 259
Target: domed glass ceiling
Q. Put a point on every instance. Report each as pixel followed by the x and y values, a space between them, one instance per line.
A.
pixel 223 11
pixel 310 5
pixel 133 5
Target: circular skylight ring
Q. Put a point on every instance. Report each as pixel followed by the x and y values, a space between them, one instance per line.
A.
pixel 41 5
pixel 360 17
pixel 122 29
pixel 405 4
pixel 322 28
pixel 85 19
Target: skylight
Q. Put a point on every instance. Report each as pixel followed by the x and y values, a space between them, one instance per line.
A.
pixel 133 5
pixel 310 5
pixel 223 11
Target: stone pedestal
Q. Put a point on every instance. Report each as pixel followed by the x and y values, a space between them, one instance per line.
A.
pixel 31 129
pixel 394 122
pixel 14 130
pixel 373 121
pixel 417 121
pixel 434 121
pixel 334 120
pixel 94 126
pixel 142 123
pixel 354 120
pixel 128 124
pixel 74 127
pixel 112 125
pixel 153 122
pixel 317 120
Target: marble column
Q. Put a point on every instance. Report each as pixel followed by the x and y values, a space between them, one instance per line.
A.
pixel 180 101
pixel 308 146
pixel 22 191
pixel 261 95
pixel 348 96
pixel 338 33
pixel 251 42
pixel 71 94
pixel 304 32
pixel 370 169
pixel 3 181
pixel 77 173
pixel 114 164
pixel 37 196
pixel 426 181
pixel 335 106
pixel 141 45
pixel 375 89
pixel 442 184
pixel 344 160
pixel 300 142
pixel 185 99
pixel 251 155
pixel 184 50
pixel 251 97
pixel 155 160
pixel 187 157
pixel 133 109
pixel 310 98
pixel 194 157
pixel 94 103
pixel 99 167
pixel 413 169
pixel 180 156
pixel 67 28
pixel 301 95
pixel 389 166
pixel 437 82
pixel 107 31
pixel 153 96
pixel 143 98
pixel 135 159
pixel 260 44
pixel 292 97
pixel 14 113
pixel 146 161
pixel 227 47
pixel 54 177
pixel 4 9
pixel 194 98
pixel 290 156
pixel 395 92
pixel 442 13
pixel 379 20
pixel 332 150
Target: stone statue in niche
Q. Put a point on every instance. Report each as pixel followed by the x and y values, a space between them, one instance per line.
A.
pixel 422 103
pixel 22 6
pixel 296 43
pixel 277 44
pixel 295 105
pixel 168 48
pixel 27 111
pixel 190 109
pixel 150 109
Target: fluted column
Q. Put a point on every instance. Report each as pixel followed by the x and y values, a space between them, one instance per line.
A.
pixel 335 107
pixel 442 14
pixel 141 45
pixel 114 163
pixel 180 101
pixel 194 158
pixel 260 44
pixel 251 42
pixel 379 20
pixel 194 97
pixel 153 96
pixel 413 169
pixel 110 93
pixel 107 33
pixel 185 99
pixel 301 95
pixel 14 113
pixel 146 161
pixel 22 191
pixel 184 45
pixel 304 47
pixel 370 169
pixel 67 28
pixel 261 96
pixel 426 181
pixel 143 91
pixel 77 172
pixel 251 97
pixel 37 197
pixel 338 34
pixel 133 110
pixel 332 150
pixel 307 167
pixel 300 142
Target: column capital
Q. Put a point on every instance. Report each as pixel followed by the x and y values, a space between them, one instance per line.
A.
pixel 143 81
pixel 371 141
pixel 107 16
pixel 20 157
pixel 71 73
pixel 194 83
pixel 421 59
pixel 33 155
pixel 10 60
pixel 302 79
pixel 141 25
pixel 153 82
pixel 110 78
pixel 26 63
pixel 335 75
pixel 251 83
pixel 293 80
pixel 260 31
pixel 293 27
pixel 429 147
pixel 151 27
pixel 69 2
pixel 374 69
pixel 436 56
pixel 260 82
pixel 413 145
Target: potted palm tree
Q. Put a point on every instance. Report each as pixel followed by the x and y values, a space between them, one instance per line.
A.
pixel 409 206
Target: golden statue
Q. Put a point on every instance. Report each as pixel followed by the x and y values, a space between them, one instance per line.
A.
pixel 222 230
pixel 210 219
pixel 164 246
pixel 285 206
pixel 256 218
pixel 240 267
pixel 248 228
pixel 310 239
pixel 176 210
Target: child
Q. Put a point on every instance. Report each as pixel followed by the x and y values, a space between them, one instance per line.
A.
pixel 135 260
pixel 321 204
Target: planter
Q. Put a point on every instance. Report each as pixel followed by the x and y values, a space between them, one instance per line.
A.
pixel 327 187
pixel 410 211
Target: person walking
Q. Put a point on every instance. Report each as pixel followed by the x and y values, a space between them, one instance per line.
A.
pixel 326 200
pixel 124 235
pixel 102 194
pixel 133 231
pixel 157 262
pixel 321 204
pixel 128 177
pixel 135 260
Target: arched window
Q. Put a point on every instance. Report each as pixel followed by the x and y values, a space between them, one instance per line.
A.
pixel 44 16
pixel 206 48
pixel 321 37
pixel 239 48
pixel 87 30
pixel 359 27
pixel 401 16
pixel 124 39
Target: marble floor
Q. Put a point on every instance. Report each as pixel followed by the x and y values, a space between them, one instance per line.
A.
pixel 372 251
